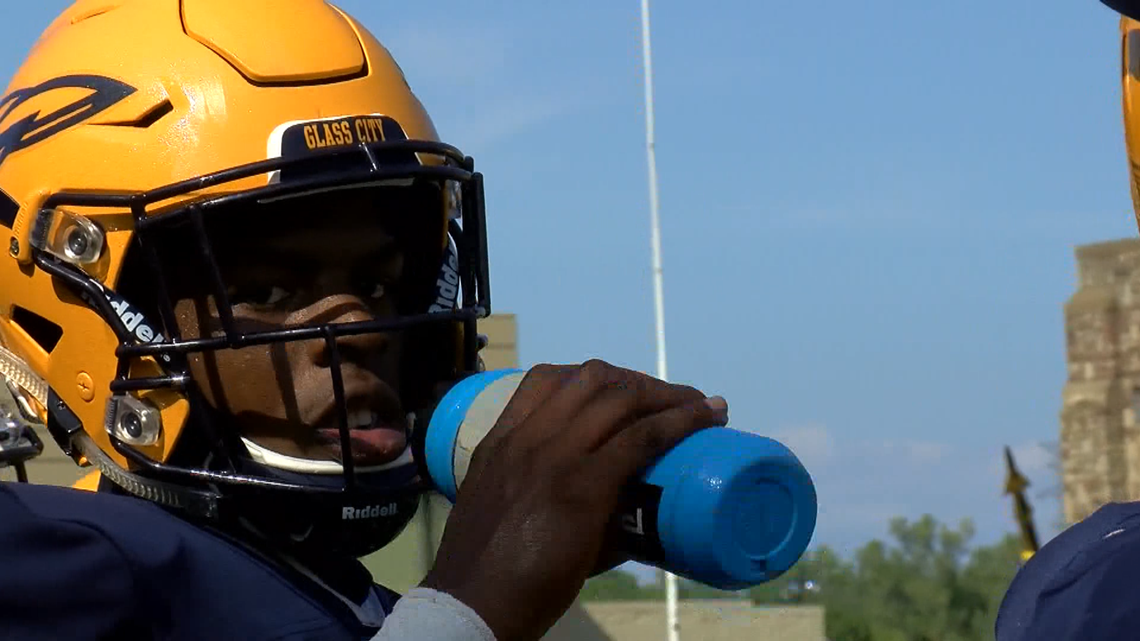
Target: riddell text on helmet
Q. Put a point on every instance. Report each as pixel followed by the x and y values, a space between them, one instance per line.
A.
pixel 368 512
pixel 447 285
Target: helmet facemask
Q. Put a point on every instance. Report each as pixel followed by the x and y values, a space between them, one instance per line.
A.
pixel 196 251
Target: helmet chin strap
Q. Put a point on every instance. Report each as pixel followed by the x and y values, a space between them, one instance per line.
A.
pixel 270 458
pixel 197 502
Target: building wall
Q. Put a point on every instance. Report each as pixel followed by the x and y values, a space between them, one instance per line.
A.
pixel 502 350
pixel 1100 448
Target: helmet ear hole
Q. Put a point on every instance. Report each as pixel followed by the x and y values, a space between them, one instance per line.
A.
pixel 8 210
pixel 42 331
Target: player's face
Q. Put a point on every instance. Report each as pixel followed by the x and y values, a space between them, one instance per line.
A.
pixel 302 268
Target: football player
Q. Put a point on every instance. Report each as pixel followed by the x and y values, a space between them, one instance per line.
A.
pixel 238 269
pixel 1079 586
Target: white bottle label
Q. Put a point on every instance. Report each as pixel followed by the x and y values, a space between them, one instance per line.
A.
pixel 484 412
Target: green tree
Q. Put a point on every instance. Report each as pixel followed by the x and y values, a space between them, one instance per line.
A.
pixel 687 590
pixel 927 585
pixel 990 571
pixel 616 585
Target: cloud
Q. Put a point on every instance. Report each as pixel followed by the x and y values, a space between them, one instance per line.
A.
pixel 867 514
pixel 1033 459
pixel 813 444
pixel 438 55
pixel 864 481
pixel 856 215
pixel 915 452
pixel 505 119
pixel 478 93
pixel 816 446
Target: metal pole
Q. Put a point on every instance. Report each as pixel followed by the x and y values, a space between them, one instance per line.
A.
pixel 427 554
pixel 673 627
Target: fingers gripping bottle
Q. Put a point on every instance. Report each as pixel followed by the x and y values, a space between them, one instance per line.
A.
pixel 726 508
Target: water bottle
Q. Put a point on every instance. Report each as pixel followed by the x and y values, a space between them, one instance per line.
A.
pixel 726 508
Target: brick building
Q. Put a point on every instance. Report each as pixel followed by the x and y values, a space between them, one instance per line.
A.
pixel 1100 433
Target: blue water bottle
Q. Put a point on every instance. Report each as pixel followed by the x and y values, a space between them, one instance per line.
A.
pixel 726 508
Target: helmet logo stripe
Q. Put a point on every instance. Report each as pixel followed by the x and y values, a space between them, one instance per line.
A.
pixel 36 127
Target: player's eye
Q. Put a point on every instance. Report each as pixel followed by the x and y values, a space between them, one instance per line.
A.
pixel 264 296
pixel 376 291
pixel 275 295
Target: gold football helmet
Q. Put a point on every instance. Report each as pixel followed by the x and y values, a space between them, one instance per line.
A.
pixel 1130 97
pixel 136 127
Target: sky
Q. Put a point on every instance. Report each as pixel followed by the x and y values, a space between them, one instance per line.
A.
pixel 869 211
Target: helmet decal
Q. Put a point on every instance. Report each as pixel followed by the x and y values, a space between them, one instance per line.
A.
pixel 38 126
pixel 298 139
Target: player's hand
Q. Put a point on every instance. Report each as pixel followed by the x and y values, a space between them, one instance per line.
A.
pixel 531 520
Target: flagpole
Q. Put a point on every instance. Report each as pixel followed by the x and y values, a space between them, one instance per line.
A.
pixel 673 627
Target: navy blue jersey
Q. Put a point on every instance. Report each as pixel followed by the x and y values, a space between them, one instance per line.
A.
pixel 1081 585
pixel 78 565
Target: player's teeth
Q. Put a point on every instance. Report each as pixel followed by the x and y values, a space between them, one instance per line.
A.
pixel 360 418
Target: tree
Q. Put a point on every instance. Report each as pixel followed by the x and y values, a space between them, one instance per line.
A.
pixel 928 585
pixel 691 590
pixel 616 585
pixel 619 585
pixel 989 573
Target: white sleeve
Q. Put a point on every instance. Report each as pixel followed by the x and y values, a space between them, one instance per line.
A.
pixel 424 613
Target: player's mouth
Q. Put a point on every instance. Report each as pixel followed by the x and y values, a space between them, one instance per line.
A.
pixel 374 439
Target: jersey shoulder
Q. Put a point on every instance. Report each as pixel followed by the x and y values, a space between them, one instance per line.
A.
pixel 124 559
pixel 1080 584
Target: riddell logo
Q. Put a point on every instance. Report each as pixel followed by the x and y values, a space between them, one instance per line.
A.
pixel 368 512
pixel 447 285
pixel 134 321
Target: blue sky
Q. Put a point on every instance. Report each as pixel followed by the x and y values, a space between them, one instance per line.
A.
pixel 869 213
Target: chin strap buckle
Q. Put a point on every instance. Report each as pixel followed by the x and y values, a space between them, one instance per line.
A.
pixel 18 445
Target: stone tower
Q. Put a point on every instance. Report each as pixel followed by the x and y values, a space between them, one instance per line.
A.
pixel 1100 430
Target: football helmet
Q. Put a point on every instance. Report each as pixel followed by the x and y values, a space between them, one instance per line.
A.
pixel 1130 100
pixel 1129 8
pixel 130 136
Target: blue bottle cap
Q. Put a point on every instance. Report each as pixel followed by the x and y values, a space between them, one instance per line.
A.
pixel 737 510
